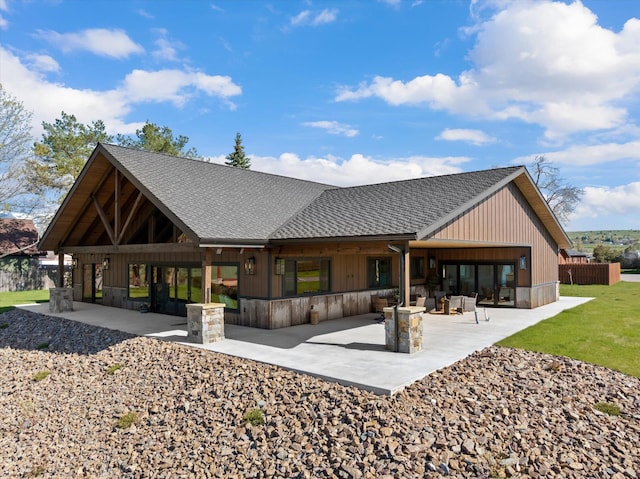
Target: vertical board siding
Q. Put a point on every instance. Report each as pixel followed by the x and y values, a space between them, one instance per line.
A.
pixel 590 273
pixel 506 217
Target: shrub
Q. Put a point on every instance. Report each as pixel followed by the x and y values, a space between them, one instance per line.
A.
pixel 610 409
pixel 42 346
pixel 40 375
pixel 255 417
pixel 4 325
pixel 113 368
pixel 127 420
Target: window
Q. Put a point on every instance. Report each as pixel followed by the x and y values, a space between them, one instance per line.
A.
pixel 417 267
pixel 138 281
pixel 224 285
pixel 378 272
pixel 306 276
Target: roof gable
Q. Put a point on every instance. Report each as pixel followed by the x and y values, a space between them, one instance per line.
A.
pixel 207 201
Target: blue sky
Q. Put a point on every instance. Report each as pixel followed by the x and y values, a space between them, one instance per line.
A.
pixel 352 92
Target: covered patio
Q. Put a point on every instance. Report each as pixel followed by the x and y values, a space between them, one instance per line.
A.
pixel 350 351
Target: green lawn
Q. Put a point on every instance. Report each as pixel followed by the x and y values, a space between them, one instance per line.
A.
pixel 604 331
pixel 8 300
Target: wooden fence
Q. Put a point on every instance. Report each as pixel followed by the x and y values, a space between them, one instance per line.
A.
pixel 592 273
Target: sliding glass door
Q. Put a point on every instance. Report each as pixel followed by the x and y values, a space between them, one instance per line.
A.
pixel 495 283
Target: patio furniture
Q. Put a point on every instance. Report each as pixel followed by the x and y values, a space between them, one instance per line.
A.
pixel 421 301
pixel 455 304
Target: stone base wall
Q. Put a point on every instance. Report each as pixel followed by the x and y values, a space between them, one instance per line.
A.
pixel 409 339
pixel 60 300
pixel 205 323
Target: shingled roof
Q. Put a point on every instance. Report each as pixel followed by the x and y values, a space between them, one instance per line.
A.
pixel 216 202
pixel 410 207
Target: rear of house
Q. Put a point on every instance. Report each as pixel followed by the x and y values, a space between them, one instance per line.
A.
pixel 156 232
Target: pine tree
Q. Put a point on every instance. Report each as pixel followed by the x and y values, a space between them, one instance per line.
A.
pixel 237 158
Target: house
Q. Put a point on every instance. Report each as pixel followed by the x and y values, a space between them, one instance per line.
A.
pixel 19 255
pixel 157 232
pixel 571 256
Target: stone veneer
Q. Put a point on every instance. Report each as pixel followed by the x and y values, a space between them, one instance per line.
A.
pixel 205 323
pixel 409 329
pixel 60 300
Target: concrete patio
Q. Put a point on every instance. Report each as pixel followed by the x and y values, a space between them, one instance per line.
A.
pixel 350 351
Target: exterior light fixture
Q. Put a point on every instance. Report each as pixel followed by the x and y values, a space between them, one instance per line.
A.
pixel 105 263
pixel 74 262
pixel 523 262
pixel 250 265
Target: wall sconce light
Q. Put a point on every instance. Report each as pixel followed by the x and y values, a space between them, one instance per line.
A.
pixel 523 262
pixel 74 262
pixel 250 265
pixel 279 266
pixel 105 263
pixel 432 263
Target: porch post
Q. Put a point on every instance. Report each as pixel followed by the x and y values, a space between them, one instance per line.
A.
pixel 206 275
pixel 407 275
pixel 60 269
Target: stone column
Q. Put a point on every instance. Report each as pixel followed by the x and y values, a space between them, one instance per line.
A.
pixel 409 329
pixel 205 323
pixel 60 300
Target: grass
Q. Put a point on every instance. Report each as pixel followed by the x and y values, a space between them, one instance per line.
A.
pixel 127 420
pixel 10 299
pixel 255 417
pixel 40 375
pixel 607 408
pixel 111 370
pixel 604 331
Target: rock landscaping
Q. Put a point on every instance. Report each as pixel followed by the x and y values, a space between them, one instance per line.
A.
pixel 117 406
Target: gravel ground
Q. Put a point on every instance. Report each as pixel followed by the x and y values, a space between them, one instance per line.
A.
pixel 498 413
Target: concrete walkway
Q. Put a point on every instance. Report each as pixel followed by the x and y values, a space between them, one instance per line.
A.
pixel 350 351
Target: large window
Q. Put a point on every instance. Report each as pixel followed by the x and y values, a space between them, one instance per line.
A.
pixel 306 276
pixel 224 285
pixel 379 272
pixel 138 281
pixel 417 267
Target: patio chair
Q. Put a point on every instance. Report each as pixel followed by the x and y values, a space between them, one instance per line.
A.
pixel 455 304
pixel 470 305
pixel 421 301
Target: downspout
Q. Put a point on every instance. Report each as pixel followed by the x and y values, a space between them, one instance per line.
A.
pixel 400 294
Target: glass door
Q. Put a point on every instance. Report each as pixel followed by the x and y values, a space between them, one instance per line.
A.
pixel 92 283
pixel 497 284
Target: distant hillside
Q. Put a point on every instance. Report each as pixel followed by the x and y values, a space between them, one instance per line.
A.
pixel 617 239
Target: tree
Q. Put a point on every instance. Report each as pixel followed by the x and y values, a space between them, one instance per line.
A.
pixel 15 151
pixel 60 156
pixel 159 139
pixel 237 158
pixel 559 195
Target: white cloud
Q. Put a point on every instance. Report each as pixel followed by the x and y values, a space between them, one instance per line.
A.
pixel 43 63
pixel 334 128
pixel 586 155
pixel 475 137
pixel 166 49
pixel 100 41
pixel 307 17
pixel 46 100
pixel 607 207
pixel 3 22
pixel 546 63
pixel 357 170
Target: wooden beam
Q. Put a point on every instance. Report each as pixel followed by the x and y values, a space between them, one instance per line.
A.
pixel 116 206
pixel 407 275
pixel 60 269
pixel 134 248
pixel 105 220
pixel 136 204
pixel 206 275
